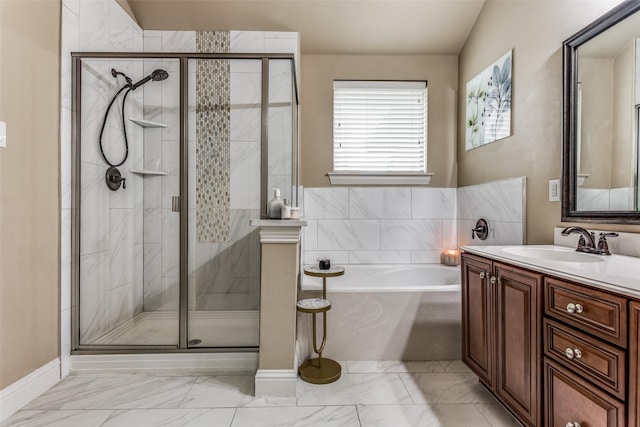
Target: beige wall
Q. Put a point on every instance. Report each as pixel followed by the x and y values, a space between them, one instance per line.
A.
pixel 596 76
pixel 29 186
pixel 622 152
pixel 535 31
pixel 316 108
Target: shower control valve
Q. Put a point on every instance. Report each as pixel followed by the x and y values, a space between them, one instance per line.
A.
pixel 114 179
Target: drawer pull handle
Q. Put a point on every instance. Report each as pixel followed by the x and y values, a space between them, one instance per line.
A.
pixel 483 274
pixel 572 424
pixel 574 308
pixel 493 280
pixel 573 353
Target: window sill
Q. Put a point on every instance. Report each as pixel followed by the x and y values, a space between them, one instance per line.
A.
pixel 368 178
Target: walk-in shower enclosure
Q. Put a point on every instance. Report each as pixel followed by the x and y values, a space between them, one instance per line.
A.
pixel 168 261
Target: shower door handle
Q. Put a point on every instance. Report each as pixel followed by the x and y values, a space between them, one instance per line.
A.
pixel 175 203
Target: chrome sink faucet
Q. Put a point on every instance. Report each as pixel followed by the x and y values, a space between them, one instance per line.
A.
pixel 587 242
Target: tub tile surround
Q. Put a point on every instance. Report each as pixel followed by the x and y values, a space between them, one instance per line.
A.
pixel 389 393
pixel 408 225
pixel 501 203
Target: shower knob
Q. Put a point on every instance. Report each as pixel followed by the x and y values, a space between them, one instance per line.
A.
pixel 114 179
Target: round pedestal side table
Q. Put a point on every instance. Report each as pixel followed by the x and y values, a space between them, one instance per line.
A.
pixel 319 370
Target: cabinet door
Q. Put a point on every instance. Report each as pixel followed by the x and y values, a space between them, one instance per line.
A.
pixel 571 399
pixel 519 295
pixel 634 364
pixel 477 318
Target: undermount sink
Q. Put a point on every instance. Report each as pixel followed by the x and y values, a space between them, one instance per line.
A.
pixel 552 254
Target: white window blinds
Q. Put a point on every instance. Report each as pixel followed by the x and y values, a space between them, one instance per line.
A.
pixel 379 126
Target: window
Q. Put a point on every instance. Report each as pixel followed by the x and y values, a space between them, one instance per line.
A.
pixel 379 130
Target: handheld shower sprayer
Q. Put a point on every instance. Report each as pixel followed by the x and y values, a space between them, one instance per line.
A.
pixel 156 76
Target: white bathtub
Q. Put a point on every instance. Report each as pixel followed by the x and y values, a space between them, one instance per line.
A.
pixel 388 312
pixel 389 278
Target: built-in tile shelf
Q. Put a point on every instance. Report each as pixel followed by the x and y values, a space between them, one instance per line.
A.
pixel 143 172
pixel 147 123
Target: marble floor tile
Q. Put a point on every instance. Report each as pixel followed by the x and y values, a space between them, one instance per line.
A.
pixel 451 387
pixel 60 393
pixel 59 418
pixel 219 417
pixel 220 392
pixel 132 392
pixel 496 415
pixel 454 366
pixel 421 416
pixel 355 389
pixel 367 367
pixel 316 416
pixel 385 393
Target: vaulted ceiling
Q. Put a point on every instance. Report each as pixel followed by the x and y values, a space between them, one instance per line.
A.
pixel 374 27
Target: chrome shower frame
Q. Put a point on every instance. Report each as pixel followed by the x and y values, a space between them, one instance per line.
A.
pixel 76 114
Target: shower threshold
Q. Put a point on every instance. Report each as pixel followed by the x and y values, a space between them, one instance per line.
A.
pixel 239 328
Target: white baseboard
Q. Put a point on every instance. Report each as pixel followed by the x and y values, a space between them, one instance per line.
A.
pixel 276 382
pixel 182 363
pixel 23 391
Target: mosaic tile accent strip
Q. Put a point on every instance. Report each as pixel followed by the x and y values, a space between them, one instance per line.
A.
pixel 213 153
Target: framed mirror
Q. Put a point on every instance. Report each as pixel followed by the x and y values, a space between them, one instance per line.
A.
pixel 601 122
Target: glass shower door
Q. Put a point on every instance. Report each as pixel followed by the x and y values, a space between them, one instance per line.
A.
pixel 224 154
pixel 128 249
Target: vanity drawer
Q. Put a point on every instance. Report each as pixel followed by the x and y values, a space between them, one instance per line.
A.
pixel 570 399
pixel 599 313
pixel 599 362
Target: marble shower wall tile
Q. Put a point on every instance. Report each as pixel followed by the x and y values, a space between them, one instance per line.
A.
pixel 94 309
pixel 178 41
pixel 110 220
pixel 94 18
pixel 247 41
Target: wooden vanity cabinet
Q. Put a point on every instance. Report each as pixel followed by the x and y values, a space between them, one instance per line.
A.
pixel 501 307
pixel 634 364
pixel 554 352
pixel 478 296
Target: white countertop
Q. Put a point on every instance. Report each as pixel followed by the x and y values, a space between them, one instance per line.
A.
pixel 616 273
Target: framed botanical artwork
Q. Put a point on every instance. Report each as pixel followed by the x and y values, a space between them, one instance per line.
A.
pixel 488 104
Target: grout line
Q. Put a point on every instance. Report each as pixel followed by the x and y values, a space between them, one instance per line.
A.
pixel 405 385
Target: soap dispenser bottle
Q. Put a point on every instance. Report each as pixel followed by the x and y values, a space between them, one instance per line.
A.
pixel 286 210
pixel 274 210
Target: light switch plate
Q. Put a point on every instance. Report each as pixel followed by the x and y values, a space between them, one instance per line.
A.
pixel 554 190
pixel 3 135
